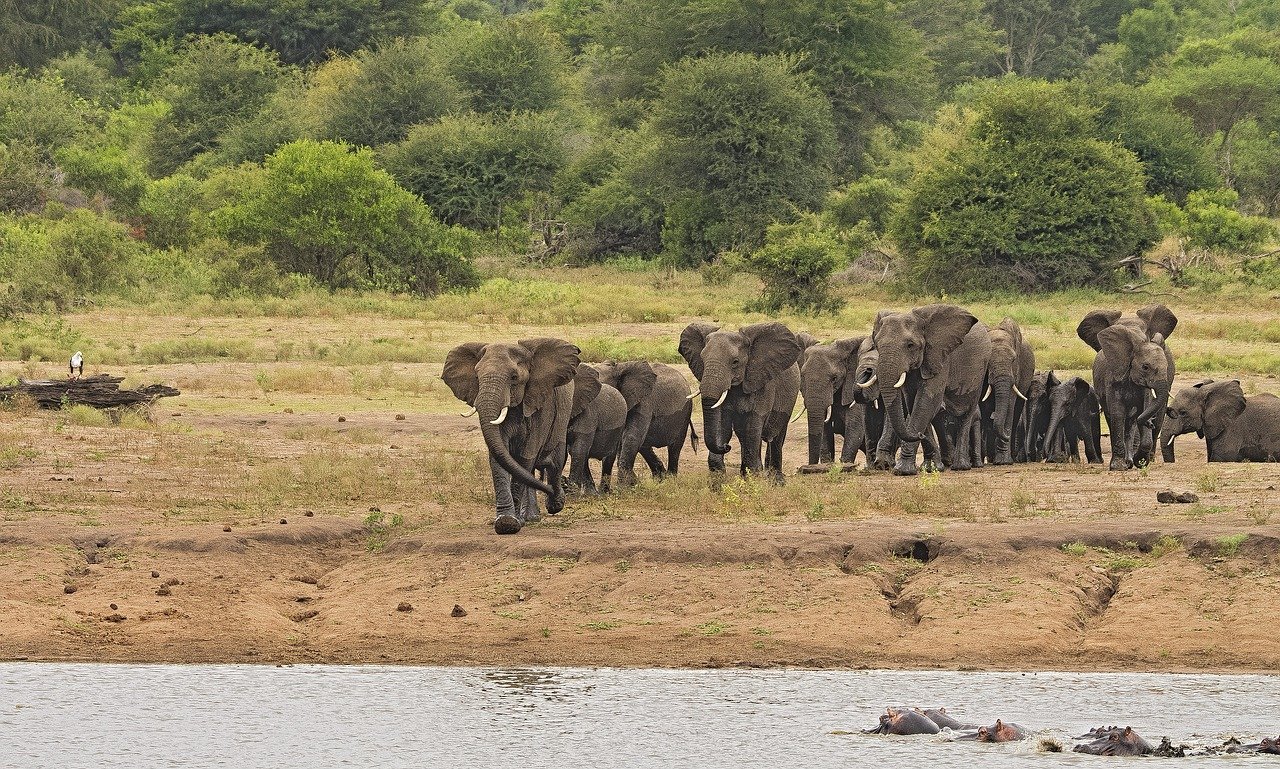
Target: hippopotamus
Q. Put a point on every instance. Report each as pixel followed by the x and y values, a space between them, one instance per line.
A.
pixel 904 721
pixel 1269 745
pixel 939 716
pixel 1001 732
pixel 1114 741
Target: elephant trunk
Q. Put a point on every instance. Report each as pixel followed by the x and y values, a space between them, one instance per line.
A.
pixel 491 403
pixel 1158 404
pixel 818 436
pixel 891 378
pixel 714 388
pixel 1002 415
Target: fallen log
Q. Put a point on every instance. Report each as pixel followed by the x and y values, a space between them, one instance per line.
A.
pixel 100 391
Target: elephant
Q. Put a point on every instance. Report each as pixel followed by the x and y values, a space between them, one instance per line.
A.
pixel 1075 417
pixel 935 357
pixel 867 395
pixel 1009 371
pixel 1235 428
pixel 523 393
pixel 658 415
pixel 595 429
pixel 748 381
pixel 827 386
pixel 1038 409
pixel 1132 374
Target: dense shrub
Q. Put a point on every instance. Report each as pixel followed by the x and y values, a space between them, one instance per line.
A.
pixel 171 212
pixel 64 255
pixel 41 112
pixel 322 209
pixel 511 65
pixel 796 263
pixel 1210 222
pixel 26 180
pixel 1026 198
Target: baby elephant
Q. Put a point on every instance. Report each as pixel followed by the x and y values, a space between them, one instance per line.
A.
pixel 1235 428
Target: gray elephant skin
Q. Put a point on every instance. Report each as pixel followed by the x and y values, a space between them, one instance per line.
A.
pixel 827 386
pixel 1235 428
pixel 1009 371
pixel 1075 417
pixel 595 429
pixel 748 381
pixel 523 394
pixel 936 358
pixel 1132 374
pixel 658 415
pixel 1039 408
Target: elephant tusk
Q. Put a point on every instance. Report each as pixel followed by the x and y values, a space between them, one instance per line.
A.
pixel 501 417
pixel 875 405
pixel 724 395
pixel 693 395
pixel 827 418
pixel 901 381
pixel 868 383
pixel 1170 441
pixel 1018 393
pixel 1153 393
pixel 798 415
pixel 987 394
pixel 471 412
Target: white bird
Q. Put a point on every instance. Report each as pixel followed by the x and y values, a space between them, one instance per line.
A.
pixel 77 365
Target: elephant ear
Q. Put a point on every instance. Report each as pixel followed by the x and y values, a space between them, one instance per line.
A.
pixel 806 341
pixel 875 327
pixel 554 363
pixel 1119 343
pixel 1082 387
pixel 1010 327
pixel 1223 402
pixel 1052 379
pixel 586 387
pixel 852 348
pixel 636 379
pixel 460 371
pixel 944 327
pixel 1093 324
pixel 692 340
pixel 774 349
pixel 1159 319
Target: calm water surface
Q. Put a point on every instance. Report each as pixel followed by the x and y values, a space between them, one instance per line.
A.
pixel 86 715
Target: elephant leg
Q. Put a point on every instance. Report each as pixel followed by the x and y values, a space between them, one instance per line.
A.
pixel 749 428
pixel 651 459
pixel 962 453
pixel 673 457
pixel 976 436
pixel 926 408
pixel 606 472
pixel 507 520
pixel 1119 435
pixel 633 435
pixel 588 481
pixel 579 472
pixel 773 457
pixel 942 431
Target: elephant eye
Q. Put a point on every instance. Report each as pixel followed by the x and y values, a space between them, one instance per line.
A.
pixel 515 377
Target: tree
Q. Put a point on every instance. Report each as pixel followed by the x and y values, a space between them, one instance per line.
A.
pixel 512 65
pixel 215 83
pixel 1148 34
pixel 323 209
pixel 959 36
pixel 41 112
pixel 1257 165
pixel 467 167
pixel 34 31
pixel 1041 38
pixel 1025 198
pixel 742 141
pixel 302 31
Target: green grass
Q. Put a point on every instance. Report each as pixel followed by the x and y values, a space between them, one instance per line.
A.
pixel 1075 548
pixel 711 628
pixel 1229 545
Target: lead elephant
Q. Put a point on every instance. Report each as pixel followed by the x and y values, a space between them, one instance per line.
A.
pixel 1235 428
pixel 1132 374
pixel 658 415
pixel 748 381
pixel 827 386
pixel 1009 371
pixel 935 357
pixel 523 394
pixel 595 429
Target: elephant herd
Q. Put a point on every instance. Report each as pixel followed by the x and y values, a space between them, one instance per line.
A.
pixel 933 378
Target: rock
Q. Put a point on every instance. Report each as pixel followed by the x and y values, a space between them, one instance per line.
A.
pixel 342 419
pixel 114 607
pixel 114 618
pixel 406 606
pixel 226 528
pixel 163 590
pixel 395 446
pixel 309 514
pixel 288 411
pixel 172 582
pixel 68 589
pixel 1187 497
pixel 155 574
pixel 458 611
pixel 375 509
pixel 305 615
pixel 1166 497
pixel 399 417
pixel 284 521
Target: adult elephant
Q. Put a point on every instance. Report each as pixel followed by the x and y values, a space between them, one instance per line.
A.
pixel 1234 428
pixel 595 429
pixel 749 381
pixel 1132 374
pixel 658 415
pixel 523 393
pixel 1074 418
pixel 935 357
pixel 828 389
pixel 1009 371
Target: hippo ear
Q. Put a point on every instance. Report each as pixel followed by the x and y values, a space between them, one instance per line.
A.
pixel 553 362
pixel 774 349
pixel 944 327
pixel 1119 343
pixel 586 387
pixel 636 379
pixel 1223 403
pixel 460 371
pixel 1093 323
pixel 849 385
pixel 692 340
pixel 1159 319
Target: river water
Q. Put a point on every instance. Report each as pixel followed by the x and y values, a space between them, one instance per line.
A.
pixel 91 715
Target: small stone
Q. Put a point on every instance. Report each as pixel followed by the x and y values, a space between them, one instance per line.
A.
pixel 1166 497
pixel 163 590
pixel 458 611
pixel 310 514
pixel 172 582
pixel 284 520
pixel 114 618
pixel 1187 497
pixel 226 528
pixel 114 607
pixel 395 446
pixel 288 411
pixel 155 575
pixel 1271 488
pixel 375 509
pixel 68 589
pixel 342 419
pixel 405 606
pixel 399 417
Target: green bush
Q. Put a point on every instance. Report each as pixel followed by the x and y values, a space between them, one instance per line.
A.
pixel 64 255
pixel 171 212
pixel 870 199
pixel 1213 224
pixel 41 112
pixel 1025 198
pixel 26 180
pixel 323 209
pixel 796 263
pixel 513 65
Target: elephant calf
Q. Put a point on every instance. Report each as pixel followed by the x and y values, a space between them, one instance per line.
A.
pixel 1235 428
pixel 827 373
pixel 658 415
pixel 1075 417
pixel 595 429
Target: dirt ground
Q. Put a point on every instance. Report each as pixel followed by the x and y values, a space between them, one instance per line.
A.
pixel 251 524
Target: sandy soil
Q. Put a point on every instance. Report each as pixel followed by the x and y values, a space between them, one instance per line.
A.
pixel 240 529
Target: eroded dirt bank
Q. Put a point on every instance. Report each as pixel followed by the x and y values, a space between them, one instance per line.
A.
pixel 1141 593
